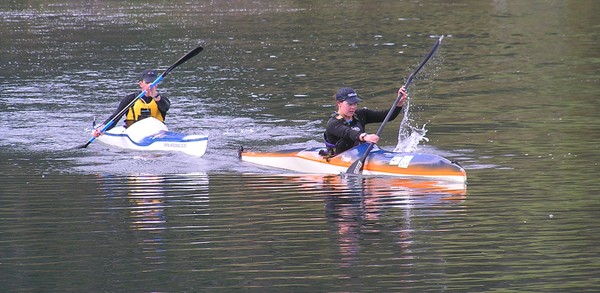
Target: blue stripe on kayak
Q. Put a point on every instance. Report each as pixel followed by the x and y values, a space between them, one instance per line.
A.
pixel 167 136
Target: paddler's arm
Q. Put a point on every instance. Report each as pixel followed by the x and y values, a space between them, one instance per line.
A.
pixel 403 97
pixel 379 116
pixel 339 129
pixel 124 102
pixel 163 104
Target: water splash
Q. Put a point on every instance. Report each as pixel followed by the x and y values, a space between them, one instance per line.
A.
pixel 409 136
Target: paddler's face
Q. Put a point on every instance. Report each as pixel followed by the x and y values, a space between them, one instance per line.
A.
pixel 347 109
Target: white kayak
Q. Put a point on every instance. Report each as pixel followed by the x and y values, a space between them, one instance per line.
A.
pixel 152 135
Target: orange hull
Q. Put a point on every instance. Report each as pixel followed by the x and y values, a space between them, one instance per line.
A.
pixel 379 162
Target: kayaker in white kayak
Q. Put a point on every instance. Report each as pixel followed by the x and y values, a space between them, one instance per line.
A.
pixel 152 104
pixel 346 127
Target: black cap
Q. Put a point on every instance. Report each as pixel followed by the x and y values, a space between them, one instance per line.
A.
pixel 347 94
pixel 149 75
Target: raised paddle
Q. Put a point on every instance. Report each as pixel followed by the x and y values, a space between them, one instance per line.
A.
pixel 357 167
pixel 182 60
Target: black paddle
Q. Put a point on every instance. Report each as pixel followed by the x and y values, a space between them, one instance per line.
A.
pixel 357 167
pixel 182 60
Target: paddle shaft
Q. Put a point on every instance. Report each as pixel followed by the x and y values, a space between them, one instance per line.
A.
pixel 181 60
pixel 357 166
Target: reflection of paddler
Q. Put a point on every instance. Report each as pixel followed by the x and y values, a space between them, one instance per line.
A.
pixel 147 194
pixel 148 214
pixel 359 211
pixel 343 213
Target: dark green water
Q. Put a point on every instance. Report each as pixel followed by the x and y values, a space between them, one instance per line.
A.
pixel 512 95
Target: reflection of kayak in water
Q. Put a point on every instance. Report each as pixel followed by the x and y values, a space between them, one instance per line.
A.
pixel 378 162
pixel 382 187
pixel 152 135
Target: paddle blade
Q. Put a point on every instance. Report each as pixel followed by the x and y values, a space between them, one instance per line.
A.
pixel 85 145
pixel 183 59
pixel 356 167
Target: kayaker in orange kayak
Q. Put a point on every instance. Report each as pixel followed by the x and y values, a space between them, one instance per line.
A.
pixel 346 127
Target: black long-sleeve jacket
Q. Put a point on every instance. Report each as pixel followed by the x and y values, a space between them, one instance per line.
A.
pixel 345 135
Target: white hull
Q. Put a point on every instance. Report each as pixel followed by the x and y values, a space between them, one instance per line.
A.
pixel 152 135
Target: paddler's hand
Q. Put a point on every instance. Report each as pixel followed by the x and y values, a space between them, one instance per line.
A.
pixel 150 92
pixel 374 138
pixel 402 93
pixel 97 131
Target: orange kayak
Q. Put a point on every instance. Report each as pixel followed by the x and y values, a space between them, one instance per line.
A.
pixel 379 162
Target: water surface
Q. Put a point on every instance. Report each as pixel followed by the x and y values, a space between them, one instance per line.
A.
pixel 511 95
